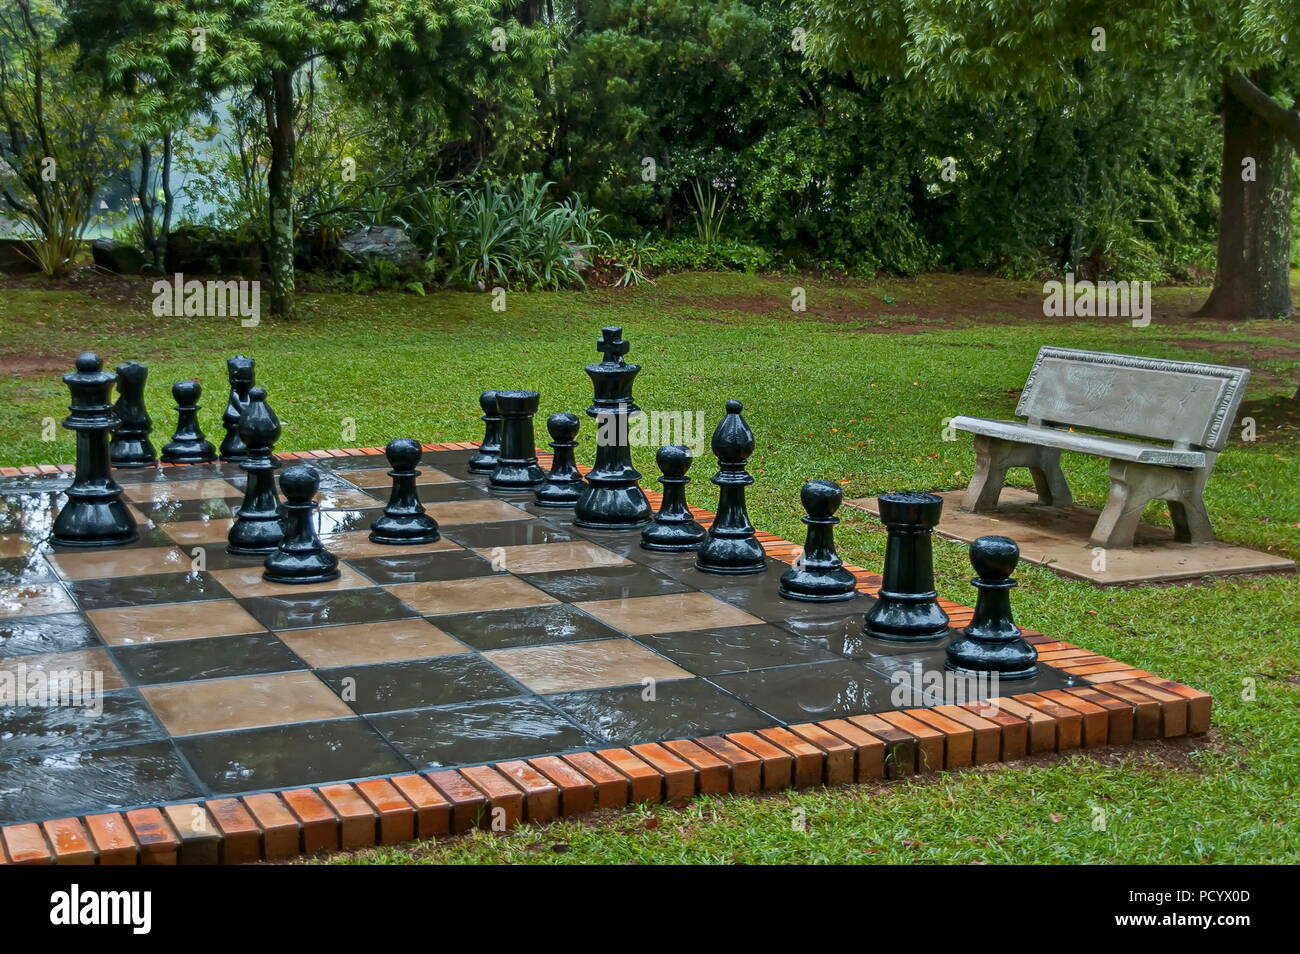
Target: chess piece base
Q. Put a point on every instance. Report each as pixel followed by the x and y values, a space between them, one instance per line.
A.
pixel 1029 673
pixel 515 476
pixel 906 618
pixel 482 463
pixel 559 493
pixel 131 454
pixel 731 557
pixel 673 537
pixel 405 531
pixel 94 523
pixel 817 587
pixel 255 536
pixel 612 508
pixel 188 456
pixel 286 567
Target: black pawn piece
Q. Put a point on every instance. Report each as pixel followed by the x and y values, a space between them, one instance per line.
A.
pixel 907 607
pixel 516 467
pixel 94 514
pixel 257 528
pixel 301 558
pixel 188 445
pixel 732 546
pixel 673 528
pixel 819 576
pixel 563 485
pixel 240 371
pixel 992 642
pixel 130 446
pixel 403 520
pixel 490 449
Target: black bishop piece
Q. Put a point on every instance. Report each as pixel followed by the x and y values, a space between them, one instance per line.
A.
pixel 516 467
pixel 673 529
pixel 403 520
pixel 257 528
pixel 818 576
pixel 130 446
pixel 993 642
pixel 95 514
pixel 486 457
pixel 563 485
pixel 731 546
pixel 188 445
pixel 239 370
pixel 907 607
pixel 301 558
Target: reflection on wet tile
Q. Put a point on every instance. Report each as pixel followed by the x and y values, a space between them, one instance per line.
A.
pixel 469 596
pixel 45 634
pixel 356 545
pixel 685 708
pixel 922 680
pixel 594 664
pixel 442 493
pixel 673 612
pixel 75 670
pixel 147 624
pixel 528 626
pixel 98 780
pixel 189 533
pixel 762 599
pixel 163 492
pixel 34 599
pixel 812 692
pixel 349 499
pixel 424 567
pixel 480 732
pixel 189 511
pixel 247 581
pixel 419 683
pixel 378 477
pixel 325 609
pixel 511 534
pixel 604 583
pixel 147 590
pixel 109 563
pixel 212 658
pixel 288 756
pixel 21 570
pixel 26 519
pixel 473 511
pixel 112 719
pixel 343 521
pixel 244 702
pixel 844 636
pixel 547 557
pixel 735 649
pixel 364 643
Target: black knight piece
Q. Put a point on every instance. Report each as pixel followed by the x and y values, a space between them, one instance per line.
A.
pixel 188 445
pixel 818 576
pixel 130 446
pixel 563 485
pixel 612 500
pixel 907 607
pixel 486 458
pixel 301 558
pixel 257 528
pixel 517 467
pixel 94 514
pixel 732 546
pixel 403 520
pixel 673 528
pixel 240 371
pixel 993 642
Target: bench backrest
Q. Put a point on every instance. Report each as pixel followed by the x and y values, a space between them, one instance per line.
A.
pixel 1184 402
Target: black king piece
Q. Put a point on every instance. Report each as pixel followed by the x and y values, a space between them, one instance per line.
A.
pixel 612 500
pixel 94 514
pixel 732 546
pixel 239 369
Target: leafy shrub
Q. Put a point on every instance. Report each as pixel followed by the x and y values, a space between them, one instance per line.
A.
pixel 726 255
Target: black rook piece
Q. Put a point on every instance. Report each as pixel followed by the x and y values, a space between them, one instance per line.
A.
pixel 240 371
pixel 516 467
pixel 563 485
pixel 486 458
pixel 130 446
pixel 819 576
pixel 403 520
pixel 732 546
pixel 992 642
pixel 907 608
pixel 188 445
pixel 673 527
pixel 301 558
pixel 612 500
pixel 94 514
pixel 257 528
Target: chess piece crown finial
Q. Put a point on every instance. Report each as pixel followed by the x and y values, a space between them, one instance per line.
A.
pixel 612 345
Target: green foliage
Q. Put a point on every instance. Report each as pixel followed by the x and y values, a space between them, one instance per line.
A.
pixel 693 255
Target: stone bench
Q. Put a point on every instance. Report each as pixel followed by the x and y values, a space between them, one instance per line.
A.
pixel 1186 406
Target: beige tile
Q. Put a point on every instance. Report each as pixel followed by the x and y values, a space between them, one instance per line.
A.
pixel 545 557
pixel 165 491
pixel 245 702
pixel 443 597
pixel 670 613
pixel 453 512
pixel 188 533
pixel 346 500
pixel 588 665
pixel 247 581
pixel 363 643
pixel 34 599
pixel 356 545
pixel 109 564
pixel 157 624
pixel 79 661
pixel 14 545
pixel 378 477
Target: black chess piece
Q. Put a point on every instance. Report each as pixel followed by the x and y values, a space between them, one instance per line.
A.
pixel 563 485
pixel 612 499
pixel 673 529
pixel 188 445
pixel 516 467
pixel 301 557
pixel 130 446
pixel 732 546
pixel 240 371
pixel 993 642
pixel 94 514
pixel 403 520
pixel 257 529
pixel 907 607
pixel 819 576
pixel 486 458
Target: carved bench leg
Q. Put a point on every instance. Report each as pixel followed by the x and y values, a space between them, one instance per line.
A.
pixel 994 456
pixel 1049 479
pixel 1187 507
pixel 1133 486
pixel 990 474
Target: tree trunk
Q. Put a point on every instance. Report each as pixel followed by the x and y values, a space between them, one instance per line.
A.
pixel 1252 277
pixel 165 231
pixel 148 233
pixel 279 124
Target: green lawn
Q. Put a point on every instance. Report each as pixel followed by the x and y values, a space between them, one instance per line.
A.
pixel 857 389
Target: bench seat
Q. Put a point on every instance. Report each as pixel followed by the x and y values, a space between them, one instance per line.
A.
pixel 1113 447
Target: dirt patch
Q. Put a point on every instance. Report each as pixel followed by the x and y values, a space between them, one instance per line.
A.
pixel 124 291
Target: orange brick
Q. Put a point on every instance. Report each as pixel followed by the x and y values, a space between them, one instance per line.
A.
pixel 241 839
pixel 158 843
pixel 396 816
pixel 468 804
pixel 70 842
pixel 611 785
pixel 1042 728
pixel 281 831
pixel 1069 724
pixel 1013 739
pixel 868 751
pixel 679 777
pixel 357 820
pixel 808 759
pixel 778 764
pixel 432 811
pixel 838 753
pixel 200 843
pixel 1096 720
pixel 745 769
pixel 958 740
pixel 577 792
pixel 1146 711
pixel 26 845
pixel 112 838
pixel 320 826
pixel 646 784
pixel 900 748
pixel 1198 703
pixel 1119 714
pixel 541 795
pixel 1173 708
pixel 987 741
pixel 1122 675
pixel 712 774
pixel 929 741
pixel 505 801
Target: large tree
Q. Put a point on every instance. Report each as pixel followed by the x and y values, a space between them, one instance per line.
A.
pixel 1249 49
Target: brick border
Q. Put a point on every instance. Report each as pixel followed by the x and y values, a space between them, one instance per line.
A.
pixel 1124 704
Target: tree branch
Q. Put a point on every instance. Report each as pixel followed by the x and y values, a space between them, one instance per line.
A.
pixel 1287 121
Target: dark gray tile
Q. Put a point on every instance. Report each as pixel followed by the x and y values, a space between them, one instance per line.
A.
pixel 369 605
pixel 113 718
pixel 211 658
pixel 46 634
pixel 20 571
pixel 173 511
pixel 811 692
pixel 419 683
pixel 527 626
pixel 423 567
pixel 510 533
pixel 603 583
pixel 682 708
pixel 146 590
pixel 735 649
pixel 844 636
